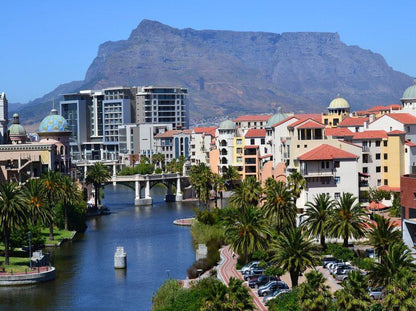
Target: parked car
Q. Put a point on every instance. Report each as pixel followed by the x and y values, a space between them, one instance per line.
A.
pixel 342 274
pixel 271 287
pixel 275 294
pixel 370 253
pixel 253 264
pixel 262 280
pixel 332 267
pixel 328 259
pixel 342 269
pixel 253 273
pixel 376 293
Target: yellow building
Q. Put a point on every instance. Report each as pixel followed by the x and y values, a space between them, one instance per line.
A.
pixel 338 109
pixel 393 159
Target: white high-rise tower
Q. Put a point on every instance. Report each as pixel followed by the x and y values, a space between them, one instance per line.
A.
pixel 4 118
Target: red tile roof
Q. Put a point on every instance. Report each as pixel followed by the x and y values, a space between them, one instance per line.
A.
pixel 171 133
pixel 396 132
pixel 378 108
pixel 256 133
pixel 376 206
pixel 338 131
pixel 326 152
pixel 350 121
pixel 261 117
pixel 410 144
pixel 206 130
pixel 301 117
pixel 311 124
pixel 387 188
pixel 374 134
pixel 395 107
pixel 266 156
pixel 405 118
pixel 251 147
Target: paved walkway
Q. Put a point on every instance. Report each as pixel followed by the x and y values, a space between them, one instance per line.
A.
pixel 227 269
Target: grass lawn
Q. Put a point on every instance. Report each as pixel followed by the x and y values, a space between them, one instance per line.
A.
pixel 58 235
pixel 17 264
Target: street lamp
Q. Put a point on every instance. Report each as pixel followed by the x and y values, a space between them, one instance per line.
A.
pixel 30 250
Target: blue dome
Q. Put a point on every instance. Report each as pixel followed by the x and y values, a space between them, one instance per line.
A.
pixel 53 123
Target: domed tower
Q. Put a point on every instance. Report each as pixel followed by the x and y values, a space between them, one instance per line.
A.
pixel 17 133
pixel 409 99
pixel 338 109
pixel 226 133
pixel 54 130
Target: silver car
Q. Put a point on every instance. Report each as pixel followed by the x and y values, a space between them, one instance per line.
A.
pixel 375 293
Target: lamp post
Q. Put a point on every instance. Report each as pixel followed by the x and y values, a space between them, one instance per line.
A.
pixel 30 250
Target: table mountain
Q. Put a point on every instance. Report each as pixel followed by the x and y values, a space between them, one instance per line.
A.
pixel 230 73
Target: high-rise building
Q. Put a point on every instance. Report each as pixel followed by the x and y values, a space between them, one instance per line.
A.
pixel 163 105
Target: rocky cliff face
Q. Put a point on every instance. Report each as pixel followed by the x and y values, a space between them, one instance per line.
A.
pixel 231 73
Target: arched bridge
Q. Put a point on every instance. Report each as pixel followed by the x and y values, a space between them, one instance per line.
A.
pixel 148 181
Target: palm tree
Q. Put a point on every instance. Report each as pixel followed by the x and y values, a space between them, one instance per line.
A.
pixel 12 213
pixel 201 177
pixel 239 298
pixel 247 231
pixel 53 185
pixel 158 160
pixel 314 294
pixel 348 219
pixel 294 252
pixel 247 193
pixel 71 195
pixel 36 200
pixel 381 234
pixel 318 215
pixel 296 184
pixel 279 204
pixel 396 262
pixel 401 292
pixel 353 296
pixel 97 175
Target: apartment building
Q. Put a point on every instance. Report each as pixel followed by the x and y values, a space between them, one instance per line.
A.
pixel 202 142
pixel 163 105
pixel 173 144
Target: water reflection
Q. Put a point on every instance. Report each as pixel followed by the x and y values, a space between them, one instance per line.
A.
pixel 86 278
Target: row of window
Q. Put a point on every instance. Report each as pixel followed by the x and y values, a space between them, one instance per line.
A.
pixel 378 169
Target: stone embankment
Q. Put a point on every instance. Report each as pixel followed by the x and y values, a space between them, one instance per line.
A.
pixel 42 274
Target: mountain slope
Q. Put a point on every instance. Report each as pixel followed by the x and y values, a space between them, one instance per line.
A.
pixel 231 73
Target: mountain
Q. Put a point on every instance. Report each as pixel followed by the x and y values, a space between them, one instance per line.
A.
pixel 231 73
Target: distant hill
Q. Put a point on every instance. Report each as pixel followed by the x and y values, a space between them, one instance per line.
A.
pixel 231 73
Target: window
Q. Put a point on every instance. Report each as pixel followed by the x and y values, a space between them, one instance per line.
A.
pixel 263 141
pixel 378 182
pixel 386 169
pixel 385 143
pixel 336 164
pixel 337 179
pixel 365 170
pixel 305 146
pixel 385 156
pixel 405 150
pixel 298 146
pixel 365 158
pixel 378 143
pixel 386 182
pixel 378 156
pixel 252 141
pixel 239 150
pixel 378 169
pixel 337 195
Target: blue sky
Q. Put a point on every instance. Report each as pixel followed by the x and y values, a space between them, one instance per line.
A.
pixel 46 43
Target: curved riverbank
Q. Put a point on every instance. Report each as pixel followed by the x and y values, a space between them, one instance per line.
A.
pixel 42 274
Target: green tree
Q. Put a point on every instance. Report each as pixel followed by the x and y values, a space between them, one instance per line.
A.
pixel 376 195
pixel 279 205
pixel 158 160
pixel 247 193
pixel 71 194
pixel 35 200
pixel 395 262
pixel 294 252
pixel 314 294
pixel 98 175
pixel 318 215
pixel 296 184
pixel 353 296
pixel 53 185
pixel 396 208
pixel 348 219
pixel 247 231
pixel 381 234
pixel 201 178
pixel 12 213
pixel 238 296
pixel 401 292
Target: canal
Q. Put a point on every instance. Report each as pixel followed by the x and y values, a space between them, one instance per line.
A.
pixel 86 278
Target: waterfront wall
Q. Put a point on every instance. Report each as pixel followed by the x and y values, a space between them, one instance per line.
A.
pixel 30 278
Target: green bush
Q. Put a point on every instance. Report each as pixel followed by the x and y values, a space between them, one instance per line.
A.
pixel 285 302
pixel 340 252
pixel 364 263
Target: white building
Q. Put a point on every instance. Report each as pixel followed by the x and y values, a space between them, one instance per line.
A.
pixel 173 144
pixel 4 117
pixel 202 142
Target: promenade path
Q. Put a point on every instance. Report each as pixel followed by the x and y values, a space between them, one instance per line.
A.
pixel 227 269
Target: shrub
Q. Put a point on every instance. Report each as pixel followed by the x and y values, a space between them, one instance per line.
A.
pixel 285 302
pixel 340 252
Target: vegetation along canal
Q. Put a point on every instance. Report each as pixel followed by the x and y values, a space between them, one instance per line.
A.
pixel 86 278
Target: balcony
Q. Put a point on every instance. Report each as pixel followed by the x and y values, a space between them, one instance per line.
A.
pixel 318 173
pixel 366 149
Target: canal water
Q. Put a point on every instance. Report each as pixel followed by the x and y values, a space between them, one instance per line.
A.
pixel 86 278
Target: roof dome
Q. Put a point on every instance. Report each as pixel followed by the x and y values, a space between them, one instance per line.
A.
pixel 53 123
pixel 276 118
pixel 16 129
pixel 410 92
pixel 338 103
pixel 227 125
